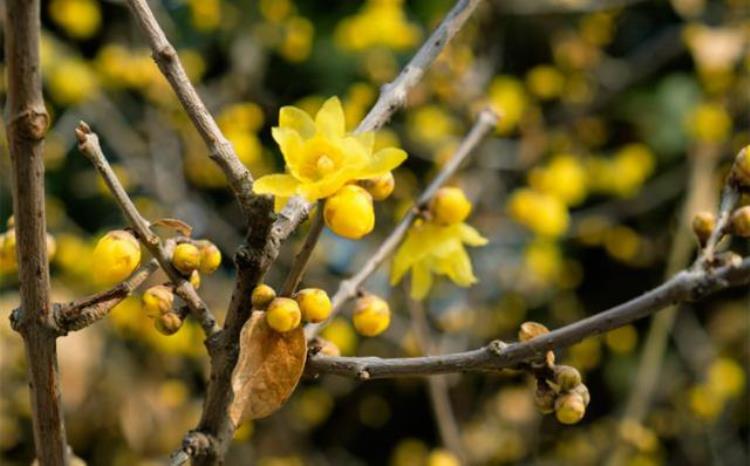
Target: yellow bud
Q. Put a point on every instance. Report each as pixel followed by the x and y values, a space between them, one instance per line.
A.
pixel 157 300
pixel 116 256
pixel 372 315
pixel 450 206
pixel 262 296
pixel 283 314
pixel 567 377
pixel 186 258
pixel 703 224
pixel 195 279
pixel 314 304
pixel 442 457
pixel 582 391
pixel 741 222
pixel 210 258
pixel 168 324
pixel 381 187
pixel 741 168
pixel 531 330
pixel 349 212
pixel 570 408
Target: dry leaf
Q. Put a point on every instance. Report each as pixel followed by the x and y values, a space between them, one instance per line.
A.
pixel 269 366
pixel 177 225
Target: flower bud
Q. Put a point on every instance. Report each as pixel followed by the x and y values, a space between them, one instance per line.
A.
pixel 381 187
pixel 569 408
pixel 314 304
pixel 703 225
pixel 210 258
pixel 116 256
pixel 283 314
pixel 583 391
pixel 567 377
pixel 195 279
pixel 450 206
pixel 741 169
pixel 442 457
pixel 531 330
pixel 349 212
pixel 262 296
pixel 186 258
pixel 741 222
pixel 157 300
pixel 372 315
pixel 168 324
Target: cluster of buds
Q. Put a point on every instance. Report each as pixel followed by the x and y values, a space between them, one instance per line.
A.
pixel 740 174
pixel 559 387
pixel 286 314
pixel 158 303
pixel 191 258
pixel 350 212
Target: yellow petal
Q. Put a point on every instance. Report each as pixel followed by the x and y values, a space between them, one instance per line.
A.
pixel 296 119
pixel 279 202
pixel 383 161
pixel 401 263
pixel 459 268
pixel 421 280
pixel 326 186
pixel 366 139
pixel 471 236
pixel 330 119
pixel 291 145
pixel 278 185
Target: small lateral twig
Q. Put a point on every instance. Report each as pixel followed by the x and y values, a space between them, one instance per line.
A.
pixel 730 197
pixel 303 256
pixel 688 285
pixel 88 144
pixel 348 288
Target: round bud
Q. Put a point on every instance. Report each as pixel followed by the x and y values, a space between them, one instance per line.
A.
pixel 168 324
pixel 262 296
pixel 567 377
pixel 195 279
pixel 531 330
pixel 210 258
pixel 703 225
pixel 381 187
pixel 544 399
pixel 372 315
pixel 283 314
pixel 186 258
pixel 314 304
pixel 741 222
pixel 741 168
pixel 116 256
pixel 157 300
pixel 569 408
pixel 583 391
pixel 450 206
pixel 442 457
pixel 349 212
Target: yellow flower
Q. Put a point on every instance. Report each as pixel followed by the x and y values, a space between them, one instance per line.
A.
pixel 508 99
pixel 542 213
pixel 564 177
pixel 430 248
pixel 80 18
pixel 321 157
pixel 709 122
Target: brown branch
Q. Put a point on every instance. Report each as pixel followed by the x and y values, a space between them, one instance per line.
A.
pixel 26 126
pixel 88 144
pixel 303 256
pixel 220 149
pixel 81 313
pixel 348 288
pixel 686 286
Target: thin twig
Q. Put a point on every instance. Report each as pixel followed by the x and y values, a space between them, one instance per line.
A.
pixel 81 313
pixel 688 285
pixel 26 125
pixel 88 144
pixel 303 256
pixel 348 288
pixel 730 197
pixel 220 149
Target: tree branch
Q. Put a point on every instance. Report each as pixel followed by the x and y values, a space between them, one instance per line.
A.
pixel 88 144
pixel 220 149
pixel 688 285
pixel 26 126
pixel 303 257
pixel 348 288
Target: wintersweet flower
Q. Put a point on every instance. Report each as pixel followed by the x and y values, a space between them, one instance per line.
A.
pixel 321 157
pixel 435 249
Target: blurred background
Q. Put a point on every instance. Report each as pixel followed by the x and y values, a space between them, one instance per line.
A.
pixel 620 119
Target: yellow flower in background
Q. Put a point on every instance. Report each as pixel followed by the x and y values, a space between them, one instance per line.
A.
pixel 205 14
pixel 321 157
pixel 81 19
pixel 726 378
pixel 71 81
pixel 275 11
pixel 239 122
pixel 545 82
pixel 564 177
pixel 298 38
pixel 543 260
pixel 434 249
pixel 509 100
pixel 622 175
pixel 542 213
pixel 715 49
pixel 379 23
pixel 709 122
pixel 431 125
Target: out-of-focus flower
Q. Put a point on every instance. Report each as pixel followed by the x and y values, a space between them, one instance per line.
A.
pixel 598 28
pixel 545 82
pixel 543 261
pixel 275 11
pixel 378 23
pixel 298 33
pixel 340 332
pixel 507 98
pixel 623 174
pixel 71 81
pixel 81 19
pixel 542 213
pixel 709 122
pixel 563 177
pixel 714 49
pixel 431 125
pixel 205 14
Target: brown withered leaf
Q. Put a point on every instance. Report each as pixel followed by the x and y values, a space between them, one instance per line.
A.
pixel 269 366
pixel 177 225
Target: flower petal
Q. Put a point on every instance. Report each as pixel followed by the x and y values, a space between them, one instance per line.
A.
pixel 366 139
pixel 421 280
pixel 291 145
pixel 383 161
pixel 279 185
pixel 326 186
pixel 279 202
pixel 470 235
pixel 401 262
pixel 459 268
pixel 298 120
pixel 330 119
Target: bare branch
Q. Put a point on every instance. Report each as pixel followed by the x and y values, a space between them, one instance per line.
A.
pixel 729 199
pixel 220 149
pixel 86 311
pixel 348 288
pixel 685 286
pixel 88 144
pixel 303 256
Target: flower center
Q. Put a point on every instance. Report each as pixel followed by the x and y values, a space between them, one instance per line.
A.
pixel 324 165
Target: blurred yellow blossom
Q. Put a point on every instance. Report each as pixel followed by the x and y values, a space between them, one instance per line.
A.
pixel 709 122
pixel 715 49
pixel 298 38
pixel 340 332
pixel 205 14
pixel 542 213
pixel 726 378
pixel 623 174
pixel 378 23
pixel 563 177
pixel 81 19
pixel 543 261
pixel 622 340
pixel 71 81
pixel 545 82
pixel 507 98
pixel 431 125
pixel 275 10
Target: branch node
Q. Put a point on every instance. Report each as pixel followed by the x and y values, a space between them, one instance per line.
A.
pixel 497 347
